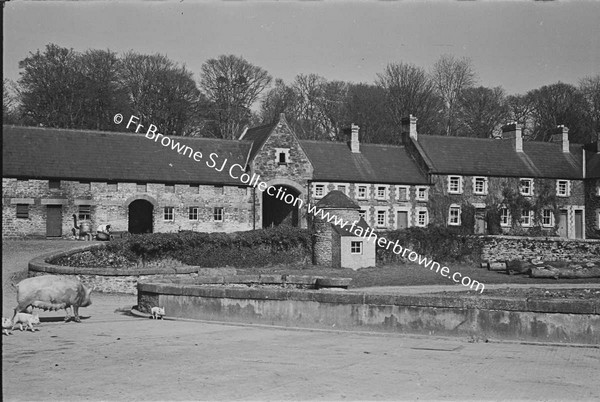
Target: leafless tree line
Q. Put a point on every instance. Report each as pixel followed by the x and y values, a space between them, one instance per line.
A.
pixel 60 87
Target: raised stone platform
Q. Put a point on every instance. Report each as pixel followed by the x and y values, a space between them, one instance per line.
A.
pixel 563 321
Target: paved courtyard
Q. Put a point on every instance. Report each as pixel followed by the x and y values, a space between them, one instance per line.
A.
pixel 113 356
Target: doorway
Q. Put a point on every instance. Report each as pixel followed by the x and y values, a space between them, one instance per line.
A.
pixel 563 223
pixel 281 209
pixel 54 220
pixel 140 217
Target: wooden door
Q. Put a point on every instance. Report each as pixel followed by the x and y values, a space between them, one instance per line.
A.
pixel 402 221
pixel 563 224
pixel 579 224
pixel 54 220
pixel 480 223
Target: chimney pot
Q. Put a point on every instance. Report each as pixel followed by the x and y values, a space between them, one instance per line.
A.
pixel 409 128
pixel 354 140
pixel 513 132
pixel 561 135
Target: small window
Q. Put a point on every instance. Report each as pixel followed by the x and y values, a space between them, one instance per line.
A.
pixel 454 215
pixel 504 217
pixel 169 188
pixel 22 211
pixel 218 214
pixel 547 216
pixel 169 213
pixel 85 185
pixel 422 193
pixel 85 213
pixel 527 218
pixel 356 247
pixel 381 193
pixel 219 189
pixel 480 185
pixel 282 155
pixel 342 188
pixel 363 214
pixel 403 193
pixel 319 190
pixel 193 213
pixel 422 218
pixel 112 186
pixel 563 188
pixel 381 218
pixel 54 184
pixel 455 184
pixel 141 187
pixel 361 192
pixel 526 187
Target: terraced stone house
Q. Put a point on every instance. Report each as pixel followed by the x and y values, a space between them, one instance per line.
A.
pixel 53 176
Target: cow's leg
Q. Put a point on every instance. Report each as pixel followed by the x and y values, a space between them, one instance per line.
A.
pixel 76 313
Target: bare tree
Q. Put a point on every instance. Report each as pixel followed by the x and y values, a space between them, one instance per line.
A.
pixel 279 99
pixel 520 110
pixel 409 90
pixel 482 111
pixel 9 102
pixel 233 85
pixel 51 88
pixel 560 104
pixel 451 76
pixel 590 88
pixel 161 92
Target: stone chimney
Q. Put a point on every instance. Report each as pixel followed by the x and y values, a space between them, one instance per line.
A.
pixel 409 128
pixel 561 135
pixel 354 141
pixel 512 131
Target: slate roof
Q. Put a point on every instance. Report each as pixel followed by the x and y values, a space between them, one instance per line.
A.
pixel 497 157
pixel 45 153
pixel 593 165
pixel 334 161
pixel 345 231
pixel 258 136
pixel 337 199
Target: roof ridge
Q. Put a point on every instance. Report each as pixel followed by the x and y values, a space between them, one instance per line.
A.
pixel 125 133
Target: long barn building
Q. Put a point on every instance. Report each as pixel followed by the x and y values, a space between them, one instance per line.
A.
pixel 269 177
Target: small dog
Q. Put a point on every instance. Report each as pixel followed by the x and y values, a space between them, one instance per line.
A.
pixel 28 319
pixel 157 313
pixel 6 325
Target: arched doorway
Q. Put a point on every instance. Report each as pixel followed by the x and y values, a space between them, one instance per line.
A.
pixel 276 211
pixel 140 216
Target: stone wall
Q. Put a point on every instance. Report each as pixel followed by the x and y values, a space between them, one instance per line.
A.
pixel 592 209
pixel 295 173
pixel 441 200
pixel 110 204
pixel 398 198
pixel 506 248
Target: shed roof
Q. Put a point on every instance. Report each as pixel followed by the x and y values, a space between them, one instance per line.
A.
pixel 337 199
pixel 345 231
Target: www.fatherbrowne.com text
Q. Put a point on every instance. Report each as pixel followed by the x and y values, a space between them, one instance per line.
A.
pixel 238 172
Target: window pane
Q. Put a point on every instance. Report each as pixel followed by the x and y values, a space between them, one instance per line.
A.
pixel 22 211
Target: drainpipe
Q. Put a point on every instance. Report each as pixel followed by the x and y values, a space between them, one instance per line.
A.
pixel 253 208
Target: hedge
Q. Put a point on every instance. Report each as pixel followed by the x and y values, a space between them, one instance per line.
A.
pixel 279 245
pixel 440 243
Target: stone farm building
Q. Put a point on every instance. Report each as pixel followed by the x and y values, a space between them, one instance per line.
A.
pixel 140 186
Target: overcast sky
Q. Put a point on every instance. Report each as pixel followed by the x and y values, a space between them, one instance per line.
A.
pixel 515 44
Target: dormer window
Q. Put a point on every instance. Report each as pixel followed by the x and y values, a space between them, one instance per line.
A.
pixel 283 156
